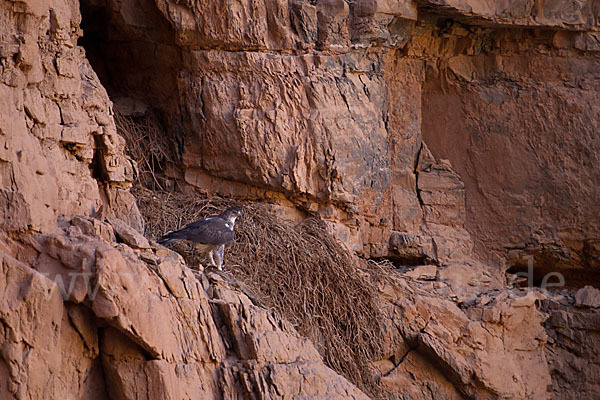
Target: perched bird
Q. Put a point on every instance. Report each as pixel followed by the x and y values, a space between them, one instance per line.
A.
pixel 209 235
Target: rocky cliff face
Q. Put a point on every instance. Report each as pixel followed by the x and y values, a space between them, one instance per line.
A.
pixel 255 97
pixel 82 316
pixel 417 130
pixel 131 321
pixel 61 154
pixel 499 116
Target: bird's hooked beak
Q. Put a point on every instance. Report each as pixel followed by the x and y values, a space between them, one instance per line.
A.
pixel 235 216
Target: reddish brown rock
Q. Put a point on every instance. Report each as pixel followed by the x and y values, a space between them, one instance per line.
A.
pixel 423 272
pixel 572 349
pixel 54 114
pixel 324 108
pixel 523 144
pixel 127 234
pixel 485 350
pixel 581 15
pixel 124 320
pixel 588 296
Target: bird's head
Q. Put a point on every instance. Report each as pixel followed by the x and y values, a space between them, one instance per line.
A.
pixel 231 214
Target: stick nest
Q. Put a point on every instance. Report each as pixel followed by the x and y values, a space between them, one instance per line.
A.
pixel 299 271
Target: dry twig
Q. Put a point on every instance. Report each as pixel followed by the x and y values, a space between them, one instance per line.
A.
pixel 301 272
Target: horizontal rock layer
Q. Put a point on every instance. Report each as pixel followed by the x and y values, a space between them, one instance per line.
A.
pixel 408 126
pixel 326 104
pixel 123 322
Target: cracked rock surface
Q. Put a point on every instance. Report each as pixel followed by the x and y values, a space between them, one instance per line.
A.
pixel 440 134
pixel 119 327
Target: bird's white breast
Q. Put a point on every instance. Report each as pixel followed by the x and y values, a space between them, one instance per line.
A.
pixel 230 222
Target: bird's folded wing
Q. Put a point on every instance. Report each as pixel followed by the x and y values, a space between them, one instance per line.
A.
pixel 208 231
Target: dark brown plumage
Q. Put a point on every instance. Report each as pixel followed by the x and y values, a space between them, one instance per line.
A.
pixel 209 235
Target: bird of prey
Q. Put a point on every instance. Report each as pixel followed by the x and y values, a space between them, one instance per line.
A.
pixel 209 235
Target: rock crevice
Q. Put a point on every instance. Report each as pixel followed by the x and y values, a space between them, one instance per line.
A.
pixel 436 133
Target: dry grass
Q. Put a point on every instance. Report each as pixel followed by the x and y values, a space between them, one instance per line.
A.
pixel 300 271
pixel 147 145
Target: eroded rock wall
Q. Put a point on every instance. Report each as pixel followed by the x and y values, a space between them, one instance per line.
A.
pixel 574 332
pixel 518 122
pixel 570 15
pixel 323 106
pixel 60 153
pixel 320 106
pixel 480 349
pixel 285 107
pixel 86 317
pixel 80 315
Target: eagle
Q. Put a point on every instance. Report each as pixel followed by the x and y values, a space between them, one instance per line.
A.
pixel 209 235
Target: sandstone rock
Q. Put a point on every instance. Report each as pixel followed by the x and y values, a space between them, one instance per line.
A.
pixel 572 351
pixel 480 357
pixel 333 25
pixel 413 246
pixel 47 121
pixel 423 272
pixel 128 235
pixel 416 377
pixel 469 278
pixel 588 297
pixel 578 16
pixel 322 107
pixel 304 158
pixel 43 352
pixel 15 215
pixel 127 328
pixel 312 167
pixel 93 227
pixel 533 201
pixel 440 190
pixel 451 244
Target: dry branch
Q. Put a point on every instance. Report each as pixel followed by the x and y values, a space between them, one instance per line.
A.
pixel 300 271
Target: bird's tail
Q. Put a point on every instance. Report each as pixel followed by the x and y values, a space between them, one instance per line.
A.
pixel 168 238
